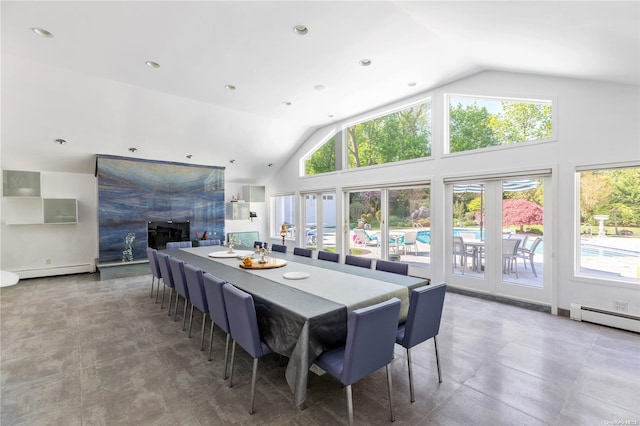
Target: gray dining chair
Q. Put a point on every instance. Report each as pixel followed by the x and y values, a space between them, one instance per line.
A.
pixel 279 248
pixel 299 251
pixel 243 322
pixel 178 244
pixel 371 334
pixel 423 323
pixel 393 267
pixel 197 297
pixel 215 242
pixel 167 277
pixel 363 262
pixel 258 244
pixel 331 257
pixel 217 311
pixel 179 280
pixel 156 274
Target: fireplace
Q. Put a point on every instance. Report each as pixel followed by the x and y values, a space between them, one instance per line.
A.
pixel 161 232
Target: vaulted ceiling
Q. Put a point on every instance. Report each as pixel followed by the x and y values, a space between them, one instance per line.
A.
pixel 89 85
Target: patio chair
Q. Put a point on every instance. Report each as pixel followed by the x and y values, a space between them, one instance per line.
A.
pixel 364 238
pixel 468 235
pixel 409 240
pixel 528 253
pixel 459 249
pixel 510 255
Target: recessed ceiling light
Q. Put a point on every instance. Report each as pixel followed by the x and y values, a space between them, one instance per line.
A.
pixel 411 83
pixel 319 87
pixel 270 164
pixel 230 87
pixel 300 29
pixel 365 62
pixel 330 115
pixel 152 64
pixel 42 32
pixel 286 103
pixel 232 161
pixel 189 156
pixel 132 149
pixel 59 141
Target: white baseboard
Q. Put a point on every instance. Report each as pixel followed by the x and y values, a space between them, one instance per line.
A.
pixel 57 270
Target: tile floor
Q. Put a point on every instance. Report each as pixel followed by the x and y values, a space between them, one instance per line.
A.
pixel 80 351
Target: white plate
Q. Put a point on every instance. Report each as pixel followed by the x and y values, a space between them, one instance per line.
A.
pixel 296 275
pixel 226 254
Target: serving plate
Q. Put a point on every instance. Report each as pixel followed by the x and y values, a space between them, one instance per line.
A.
pixel 296 275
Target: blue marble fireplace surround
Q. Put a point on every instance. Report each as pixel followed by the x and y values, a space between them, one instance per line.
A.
pixel 133 192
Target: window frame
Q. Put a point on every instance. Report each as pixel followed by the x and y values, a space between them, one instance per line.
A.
pixel 276 224
pixel 499 98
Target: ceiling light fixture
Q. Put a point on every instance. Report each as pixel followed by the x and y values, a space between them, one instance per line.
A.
pixel 189 156
pixel 232 161
pixel 42 32
pixel 300 30
pixel 270 164
pixel 330 115
pixel 365 62
pixel 59 141
pixel 319 87
pixel 132 149
pixel 286 103
pixel 152 64
pixel 411 83
pixel 230 87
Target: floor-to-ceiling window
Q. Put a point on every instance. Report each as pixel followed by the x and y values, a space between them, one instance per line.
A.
pixel 608 237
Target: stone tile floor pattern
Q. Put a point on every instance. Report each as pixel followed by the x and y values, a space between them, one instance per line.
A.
pixel 79 351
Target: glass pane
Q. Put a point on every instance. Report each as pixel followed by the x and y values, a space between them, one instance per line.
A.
pixel 322 160
pixel 522 231
pixel 402 135
pixel 329 222
pixel 468 229
pixel 409 226
pixel 476 123
pixel 310 220
pixel 364 223
pixel 610 224
pixel 284 208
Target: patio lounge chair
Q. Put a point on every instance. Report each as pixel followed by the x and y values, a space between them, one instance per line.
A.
pixel 364 238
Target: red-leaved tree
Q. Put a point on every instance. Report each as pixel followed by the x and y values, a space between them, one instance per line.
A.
pixel 521 212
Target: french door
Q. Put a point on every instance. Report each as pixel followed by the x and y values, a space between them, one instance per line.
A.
pixel 497 236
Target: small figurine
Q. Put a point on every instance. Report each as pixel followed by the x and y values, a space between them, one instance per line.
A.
pixel 263 252
pixel 232 242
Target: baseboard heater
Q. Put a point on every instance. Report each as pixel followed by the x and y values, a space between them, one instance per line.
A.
pixel 609 318
pixel 56 270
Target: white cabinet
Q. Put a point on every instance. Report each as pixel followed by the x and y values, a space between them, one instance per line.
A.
pixel 253 193
pixel 237 211
pixel 23 205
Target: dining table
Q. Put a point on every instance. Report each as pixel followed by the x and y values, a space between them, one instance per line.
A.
pixel 303 305
pixel 477 246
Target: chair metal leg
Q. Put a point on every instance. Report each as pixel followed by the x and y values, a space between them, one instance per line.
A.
pixel 435 343
pixel 204 322
pixel 211 340
pixel 410 376
pixel 190 321
pixel 153 278
pixel 347 390
pixel 175 308
pixel 184 315
pixel 233 355
pixel 164 287
pixel 533 268
pixel 226 353
pixel 253 383
pixel 393 417
pixel 158 289
pixel 170 295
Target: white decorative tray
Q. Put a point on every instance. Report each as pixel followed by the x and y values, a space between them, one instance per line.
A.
pixel 296 275
pixel 227 255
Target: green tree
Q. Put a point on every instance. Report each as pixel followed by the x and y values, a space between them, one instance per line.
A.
pixel 521 122
pixel 322 160
pixel 625 196
pixel 469 128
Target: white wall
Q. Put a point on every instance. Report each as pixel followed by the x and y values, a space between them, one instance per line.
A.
pixel 54 249
pixel 597 123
